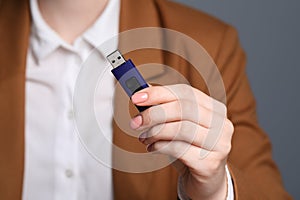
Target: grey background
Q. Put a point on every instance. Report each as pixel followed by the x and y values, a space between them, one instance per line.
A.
pixel 269 31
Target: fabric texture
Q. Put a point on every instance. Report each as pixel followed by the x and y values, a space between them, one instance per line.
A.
pixel 57 165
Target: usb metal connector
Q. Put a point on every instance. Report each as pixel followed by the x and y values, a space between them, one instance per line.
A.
pixel 127 75
pixel 116 59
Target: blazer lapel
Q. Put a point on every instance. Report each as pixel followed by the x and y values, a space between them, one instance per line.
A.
pixel 14 34
pixel 137 14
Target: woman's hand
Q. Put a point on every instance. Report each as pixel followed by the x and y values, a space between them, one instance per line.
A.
pixel 187 124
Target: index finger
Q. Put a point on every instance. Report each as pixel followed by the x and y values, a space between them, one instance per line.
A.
pixel 163 94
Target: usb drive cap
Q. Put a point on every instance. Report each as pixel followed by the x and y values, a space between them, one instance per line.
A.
pixel 116 59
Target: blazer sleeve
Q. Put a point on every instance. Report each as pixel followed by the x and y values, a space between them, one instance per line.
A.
pixel 254 173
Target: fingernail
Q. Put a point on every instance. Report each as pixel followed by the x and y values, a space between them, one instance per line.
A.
pixel 150 147
pixel 139 97
pixel 143 137
pixel 136 122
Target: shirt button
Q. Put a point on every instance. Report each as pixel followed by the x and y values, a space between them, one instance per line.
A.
pixel 70 114
pixel 69 173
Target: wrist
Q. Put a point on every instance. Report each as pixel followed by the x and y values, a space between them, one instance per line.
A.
pixel 215 190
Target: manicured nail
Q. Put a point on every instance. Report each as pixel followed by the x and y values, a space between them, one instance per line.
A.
pixel 143 137
pixel 139 97
pixel 136 122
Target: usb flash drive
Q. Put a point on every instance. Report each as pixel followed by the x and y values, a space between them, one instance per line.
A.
pixel 127 75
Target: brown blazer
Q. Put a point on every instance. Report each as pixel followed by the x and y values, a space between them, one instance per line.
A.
pixel 254 173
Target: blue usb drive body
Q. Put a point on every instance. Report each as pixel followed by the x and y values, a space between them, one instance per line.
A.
pixel 127 75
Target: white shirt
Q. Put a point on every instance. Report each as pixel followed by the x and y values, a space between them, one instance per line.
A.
pixel 56 165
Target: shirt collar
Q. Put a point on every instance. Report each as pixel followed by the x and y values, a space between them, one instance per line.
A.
pixel 106 26
pixel 44 40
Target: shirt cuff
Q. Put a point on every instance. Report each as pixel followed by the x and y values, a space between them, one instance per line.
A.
pixel 230 194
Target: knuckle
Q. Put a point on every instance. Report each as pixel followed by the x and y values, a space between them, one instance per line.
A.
pixel 157 114
pixel 220 107
pixel 184 108
pixel 185 127
pixel 228 126
pixel 184 91
pixel 226 148
pixel 152 91
pixel 224 108
pixel 155 130
pixel 213 167
pixel 190 132
pixel 149 115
